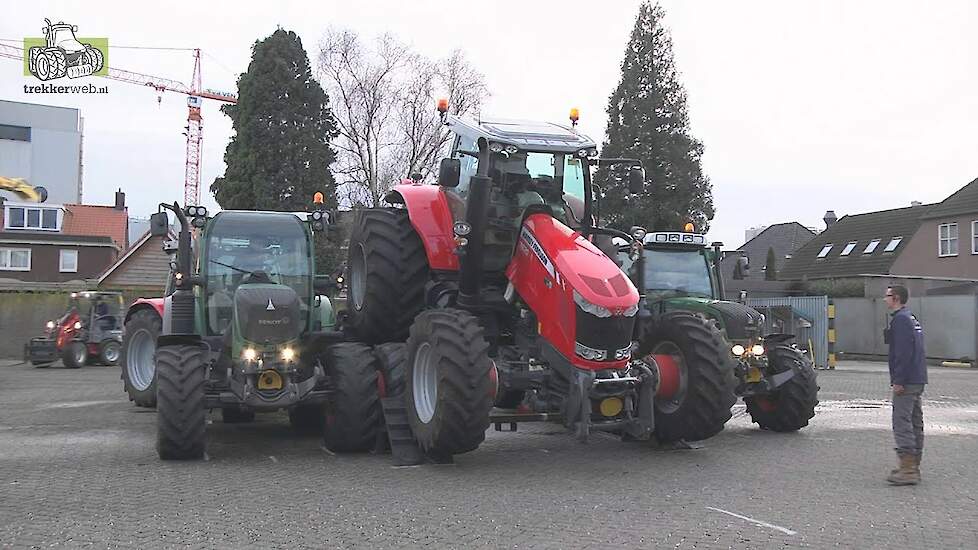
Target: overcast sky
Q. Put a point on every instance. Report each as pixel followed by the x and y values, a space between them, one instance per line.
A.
pixel 802 106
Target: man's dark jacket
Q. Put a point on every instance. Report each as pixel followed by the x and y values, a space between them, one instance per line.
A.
pixel 908 363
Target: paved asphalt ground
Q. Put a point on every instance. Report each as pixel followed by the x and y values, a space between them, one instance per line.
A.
pixel 78 469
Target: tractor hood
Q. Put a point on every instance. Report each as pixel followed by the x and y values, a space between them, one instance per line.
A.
pixel 267 313
pixel 740 322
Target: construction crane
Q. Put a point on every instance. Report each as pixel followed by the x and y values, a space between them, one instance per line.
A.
pixel 23 190
pixel 194 129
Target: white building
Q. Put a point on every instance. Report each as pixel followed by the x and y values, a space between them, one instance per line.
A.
pixel 42 144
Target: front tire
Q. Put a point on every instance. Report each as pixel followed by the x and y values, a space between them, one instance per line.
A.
pixel 388 269
pixel 353 412
pixel 181 418
pixel 701 405
pixel 75 355
pixel 450 390
pixel 137 357
pixel 792 405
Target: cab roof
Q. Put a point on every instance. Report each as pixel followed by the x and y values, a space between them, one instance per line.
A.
pixel 525 134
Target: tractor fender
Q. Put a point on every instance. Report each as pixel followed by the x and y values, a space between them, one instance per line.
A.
pixel 429 209
pixel 155 304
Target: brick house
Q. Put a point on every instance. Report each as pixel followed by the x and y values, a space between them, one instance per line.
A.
pixel 54 243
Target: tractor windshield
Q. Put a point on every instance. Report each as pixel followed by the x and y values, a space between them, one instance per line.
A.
pixel 677 272
pixel 64 38
pixel 257 247
pixel 541 172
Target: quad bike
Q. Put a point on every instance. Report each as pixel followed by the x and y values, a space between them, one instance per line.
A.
pixel 679 275
pixel 63 54
pixel 247 330
pixel 89 330
pixel 493 282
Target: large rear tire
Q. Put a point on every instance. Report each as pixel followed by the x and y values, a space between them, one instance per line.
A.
pixel 388 269
pixel 180 415
pixel 392 360
pixel 701 405
pixel 793 404
pixel 450 389
pixel 137 357
pixel 353 412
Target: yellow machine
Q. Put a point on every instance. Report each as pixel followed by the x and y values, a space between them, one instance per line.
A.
pixel 23 190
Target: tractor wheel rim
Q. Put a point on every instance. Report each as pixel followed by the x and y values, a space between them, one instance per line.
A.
pixel 80 353
pixel 42 66
pixel 111 352
pixel 140 363
pixel 425 383
pixel 672 404
pixel 358 279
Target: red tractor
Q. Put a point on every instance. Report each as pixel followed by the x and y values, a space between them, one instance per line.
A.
pixel 90 329
pixel 494 279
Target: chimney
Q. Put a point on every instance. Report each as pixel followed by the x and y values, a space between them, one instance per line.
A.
pixel 829 218
pixel 120 200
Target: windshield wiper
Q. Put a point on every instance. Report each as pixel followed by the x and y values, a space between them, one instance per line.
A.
pixel 238 269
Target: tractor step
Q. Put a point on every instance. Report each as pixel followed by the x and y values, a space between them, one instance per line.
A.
pixel 404 447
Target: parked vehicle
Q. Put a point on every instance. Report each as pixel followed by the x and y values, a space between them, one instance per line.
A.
pixel 245 330
pixel 89 330
pixel 679 274
pixel 503 299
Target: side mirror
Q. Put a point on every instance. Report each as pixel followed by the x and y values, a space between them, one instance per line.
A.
pixel 159 224
pixel 449 172
pixel 636 180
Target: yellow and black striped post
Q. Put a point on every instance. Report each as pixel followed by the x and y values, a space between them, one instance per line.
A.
pixel 831 360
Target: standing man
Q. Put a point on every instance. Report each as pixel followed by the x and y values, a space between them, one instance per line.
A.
pixel 908 375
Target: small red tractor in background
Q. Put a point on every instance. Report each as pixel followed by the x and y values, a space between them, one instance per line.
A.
pixel 494 279
pixel 91 327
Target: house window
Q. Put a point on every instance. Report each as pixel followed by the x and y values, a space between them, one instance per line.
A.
pixel 15 259
pixel 26 217
pixel 894 242
pixel 848 248
pixel 974 237
pixel 825 250
pixel 15 133
pixel 947 237
pixel 68 261
pixel 871 246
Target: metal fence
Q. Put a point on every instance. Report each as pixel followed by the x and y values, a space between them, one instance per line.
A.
pixel 807 317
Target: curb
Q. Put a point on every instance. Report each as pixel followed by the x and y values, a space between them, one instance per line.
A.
pixel 957 365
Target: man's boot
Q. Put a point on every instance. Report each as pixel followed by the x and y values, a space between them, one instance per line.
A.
pixel 906 474
pixel 916 464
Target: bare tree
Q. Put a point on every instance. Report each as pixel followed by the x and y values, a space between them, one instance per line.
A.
pixel 383 99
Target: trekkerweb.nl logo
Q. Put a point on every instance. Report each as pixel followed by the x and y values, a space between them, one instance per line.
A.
pixel 60 53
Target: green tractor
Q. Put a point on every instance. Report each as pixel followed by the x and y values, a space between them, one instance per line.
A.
pixel 678 272
pixel 248 329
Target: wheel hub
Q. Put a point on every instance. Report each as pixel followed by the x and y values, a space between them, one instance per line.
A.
pixel 424 381
pixel 673 377
pixel 358 283
pixel 140 362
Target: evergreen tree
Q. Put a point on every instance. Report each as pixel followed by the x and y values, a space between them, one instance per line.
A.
pixel 280 153
pixel 771 266
pixel 648 120
pixel 738 272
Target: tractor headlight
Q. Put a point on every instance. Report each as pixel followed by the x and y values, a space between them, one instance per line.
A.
pixel 462 228
pixel 599 311
pixel 590 354
pixel 317 215
pixel 50 325
pixel 288 354
pixel 77 325
pixel 249 354
pixel 496 147
pixel 757 350
pixel 737 350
